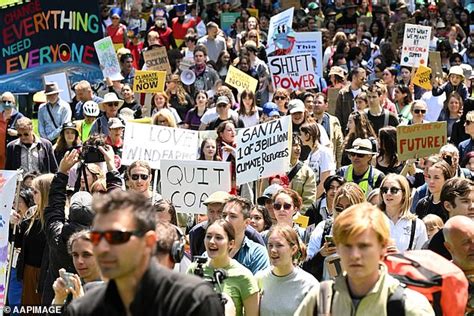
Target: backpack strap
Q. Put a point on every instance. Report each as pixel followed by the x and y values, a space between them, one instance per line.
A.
pixel 326 230
pixel 326 294
pixel 51 116
pixel 412 234
pixel 396 302
pixel 294 171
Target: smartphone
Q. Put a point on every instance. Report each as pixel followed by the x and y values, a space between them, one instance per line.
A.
pixel 330 240
pixel 67 277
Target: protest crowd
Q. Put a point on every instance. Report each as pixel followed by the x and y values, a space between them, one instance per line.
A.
pixel 252 157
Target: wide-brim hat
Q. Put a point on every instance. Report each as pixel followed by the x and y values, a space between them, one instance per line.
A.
pixel 336 70
pixel 361 146
pixel 456 70
pixel 51 88
pixel 69 125
pixel 109 98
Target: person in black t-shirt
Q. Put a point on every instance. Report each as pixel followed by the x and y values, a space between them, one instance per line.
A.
pixel 378 116
pixel 222 108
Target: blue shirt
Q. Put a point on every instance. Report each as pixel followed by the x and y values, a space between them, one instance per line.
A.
pixel 61 112
pixel 253 256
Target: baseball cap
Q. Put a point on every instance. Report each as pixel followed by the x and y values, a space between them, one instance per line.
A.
pixel 269 108
pixel 296 106
pixel 222 100
pixel 268 193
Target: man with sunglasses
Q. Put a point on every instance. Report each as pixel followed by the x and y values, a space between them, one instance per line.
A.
pixel 250 254
pixel 360 171
pixel 109 107
pixel 30 152
pixel 124 241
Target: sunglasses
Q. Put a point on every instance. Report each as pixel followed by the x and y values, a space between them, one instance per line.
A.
pixel 418 111
pixel 24 134
pixel 339 209
pixel 468 122
pixel 113 237
pixel 135 177
pixel 393 190
pixel 278 206
pixel 113 104
pixel 222 105
pixel 115 18
pixel 280 98
pixel 357 155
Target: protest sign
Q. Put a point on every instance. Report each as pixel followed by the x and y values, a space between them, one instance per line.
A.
pixel 293 72
pixel 63 84
pixel 416 45
pixel 253 12
pixel 45 36
pixel 149 81
pixel 332 99
pixel 397 32
pixel 240 80
pixel 157 59
pixel 152 143
pixel 434 60
pixel 227 20
pixel 7 195
pixel 422 77
pixel 420 140
pixel 282 18
pixel 188 183
pixel 107 58
pixel 263 150
pixel 310 42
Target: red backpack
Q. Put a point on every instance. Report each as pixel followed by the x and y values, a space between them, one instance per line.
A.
pixel 430 274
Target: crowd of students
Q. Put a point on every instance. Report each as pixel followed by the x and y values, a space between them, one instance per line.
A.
pixel 97 235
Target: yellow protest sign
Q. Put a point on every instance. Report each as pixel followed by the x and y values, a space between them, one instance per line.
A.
pixel 420 140
pixel 253 12
pixel 302 221
pixel 149 81
pixel 240 80
pixel 422 77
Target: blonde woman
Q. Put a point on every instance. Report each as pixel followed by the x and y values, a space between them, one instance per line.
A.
pixel 164 117
pixel 160 101
pixel 408 231
pixel 34 241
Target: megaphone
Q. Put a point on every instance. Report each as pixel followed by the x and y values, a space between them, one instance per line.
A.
pixel 188 77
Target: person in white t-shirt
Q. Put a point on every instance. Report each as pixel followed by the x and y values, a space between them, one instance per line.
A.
pixel 320 159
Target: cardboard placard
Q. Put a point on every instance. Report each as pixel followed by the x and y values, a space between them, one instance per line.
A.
pixel 293 72
pixel 434 60
pixel 263 150
pixel 240 80
pixel 188 183
pixel 157 59
pixel 149 81
pixel 422 77
pixel 420 140
pixel 310 42
pixel 153 143
pixel 107 58
pixel 416 45
pixel 286 4
pixel 63 84
pixel 332 99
